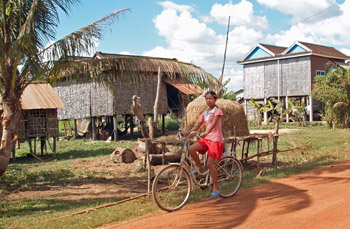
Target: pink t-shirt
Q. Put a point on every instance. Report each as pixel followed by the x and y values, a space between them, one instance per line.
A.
pixel 207 117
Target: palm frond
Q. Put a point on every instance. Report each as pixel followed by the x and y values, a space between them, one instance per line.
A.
pixel 80 41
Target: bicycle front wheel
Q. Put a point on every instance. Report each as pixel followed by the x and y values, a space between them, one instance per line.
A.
pixel 171 188
pixel 229 171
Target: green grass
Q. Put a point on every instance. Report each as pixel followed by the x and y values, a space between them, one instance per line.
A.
pixel 321 146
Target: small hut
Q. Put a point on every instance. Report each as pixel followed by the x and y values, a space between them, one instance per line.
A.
pixel 90 99
pixel 38 117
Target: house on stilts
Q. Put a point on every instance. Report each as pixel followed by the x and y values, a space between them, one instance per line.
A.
pixel 92 99
pixel 281 73
pixel 38 117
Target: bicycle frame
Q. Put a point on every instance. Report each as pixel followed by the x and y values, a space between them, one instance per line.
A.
pixel 184 165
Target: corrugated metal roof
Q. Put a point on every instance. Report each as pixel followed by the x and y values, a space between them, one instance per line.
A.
pixel 40 96
pixel 187 88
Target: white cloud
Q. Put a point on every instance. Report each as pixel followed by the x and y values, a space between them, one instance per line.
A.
pixel 241 14
pixel 191 40
pixel 172 6
pixel 303 9
pixel 345 51
pixel 334 31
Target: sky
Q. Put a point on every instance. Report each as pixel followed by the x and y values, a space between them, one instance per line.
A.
pixel 195 31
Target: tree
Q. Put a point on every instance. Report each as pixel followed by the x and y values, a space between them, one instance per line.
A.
pixel 333 89
pixel 26 30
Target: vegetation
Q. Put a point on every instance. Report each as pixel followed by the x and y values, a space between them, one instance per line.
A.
pixel 334 91
pixel 75 167
pixel 27 29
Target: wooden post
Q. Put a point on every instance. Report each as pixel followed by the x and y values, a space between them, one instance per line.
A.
pixel 163 153
pixel 75 128
pixel 155 107
pixel 132 125
pixel 115 127
pixel 34 145
pixel 54 146
pixel 274 150
pixel 42 145
pixel 148 165
pixel 163 123
pixel 93 128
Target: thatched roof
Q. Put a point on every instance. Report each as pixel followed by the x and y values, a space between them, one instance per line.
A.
pixel 233 119
pixel 106 68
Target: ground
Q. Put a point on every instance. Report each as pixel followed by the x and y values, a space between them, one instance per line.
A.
pixel 316 199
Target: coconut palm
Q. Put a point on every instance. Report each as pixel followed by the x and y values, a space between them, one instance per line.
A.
pixel 26 30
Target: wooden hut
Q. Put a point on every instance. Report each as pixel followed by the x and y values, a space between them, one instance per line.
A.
pixel 90 99
pixel 38 117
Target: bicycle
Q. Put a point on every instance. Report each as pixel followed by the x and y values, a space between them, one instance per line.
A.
pixel 172 186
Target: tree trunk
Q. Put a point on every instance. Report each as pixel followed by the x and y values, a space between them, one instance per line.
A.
pixel 10 105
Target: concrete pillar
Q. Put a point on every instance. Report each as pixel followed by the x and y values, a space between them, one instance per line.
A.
pixel 266 121
pixel 311 109
pixel 287 106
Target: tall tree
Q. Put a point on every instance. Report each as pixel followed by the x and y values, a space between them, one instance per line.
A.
pixel 27 28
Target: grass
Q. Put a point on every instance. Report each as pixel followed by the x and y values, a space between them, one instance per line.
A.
pixel 321 146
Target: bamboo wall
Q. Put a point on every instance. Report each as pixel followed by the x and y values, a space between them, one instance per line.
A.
pixel 90 99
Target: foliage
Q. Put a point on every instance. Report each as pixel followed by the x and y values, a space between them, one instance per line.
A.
pixel 298 111
pixel 225 94
pixel 334 90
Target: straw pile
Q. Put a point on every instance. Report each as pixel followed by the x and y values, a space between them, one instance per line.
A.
pixel 234 116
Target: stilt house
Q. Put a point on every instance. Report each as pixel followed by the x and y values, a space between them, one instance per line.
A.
pixel 38 117
pixel 284 72
pixel 93 99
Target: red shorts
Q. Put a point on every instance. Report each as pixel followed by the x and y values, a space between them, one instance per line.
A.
pixel 215 149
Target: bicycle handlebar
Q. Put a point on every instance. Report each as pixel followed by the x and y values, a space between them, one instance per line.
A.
pixel 197 133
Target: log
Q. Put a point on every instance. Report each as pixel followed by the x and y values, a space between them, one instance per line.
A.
pixel 156 159
pixel 121 155
pixel 153 148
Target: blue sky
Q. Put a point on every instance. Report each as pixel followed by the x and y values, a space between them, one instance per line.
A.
pixel 195 30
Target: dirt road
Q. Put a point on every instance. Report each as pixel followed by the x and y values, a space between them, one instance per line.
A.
pixel 317 199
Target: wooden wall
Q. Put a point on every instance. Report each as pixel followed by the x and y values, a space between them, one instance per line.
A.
pixel 268 79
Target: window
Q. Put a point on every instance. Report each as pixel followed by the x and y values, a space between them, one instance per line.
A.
pixel 320 72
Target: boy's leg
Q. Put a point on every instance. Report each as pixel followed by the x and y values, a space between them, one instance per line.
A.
pixel 194 148
pixel 213 173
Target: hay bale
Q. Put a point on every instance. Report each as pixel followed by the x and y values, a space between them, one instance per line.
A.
pixel 233 116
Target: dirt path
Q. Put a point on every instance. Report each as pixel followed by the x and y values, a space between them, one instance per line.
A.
pixel 317 199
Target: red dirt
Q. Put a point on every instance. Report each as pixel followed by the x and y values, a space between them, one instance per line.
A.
pixel 317 199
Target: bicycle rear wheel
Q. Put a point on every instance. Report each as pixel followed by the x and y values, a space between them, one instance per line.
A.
pixel 171 188
pixel 229 171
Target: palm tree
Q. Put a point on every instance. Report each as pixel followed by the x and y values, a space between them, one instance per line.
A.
pixel 26 29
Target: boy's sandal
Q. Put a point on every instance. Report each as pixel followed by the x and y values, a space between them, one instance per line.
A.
pixel 214 194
